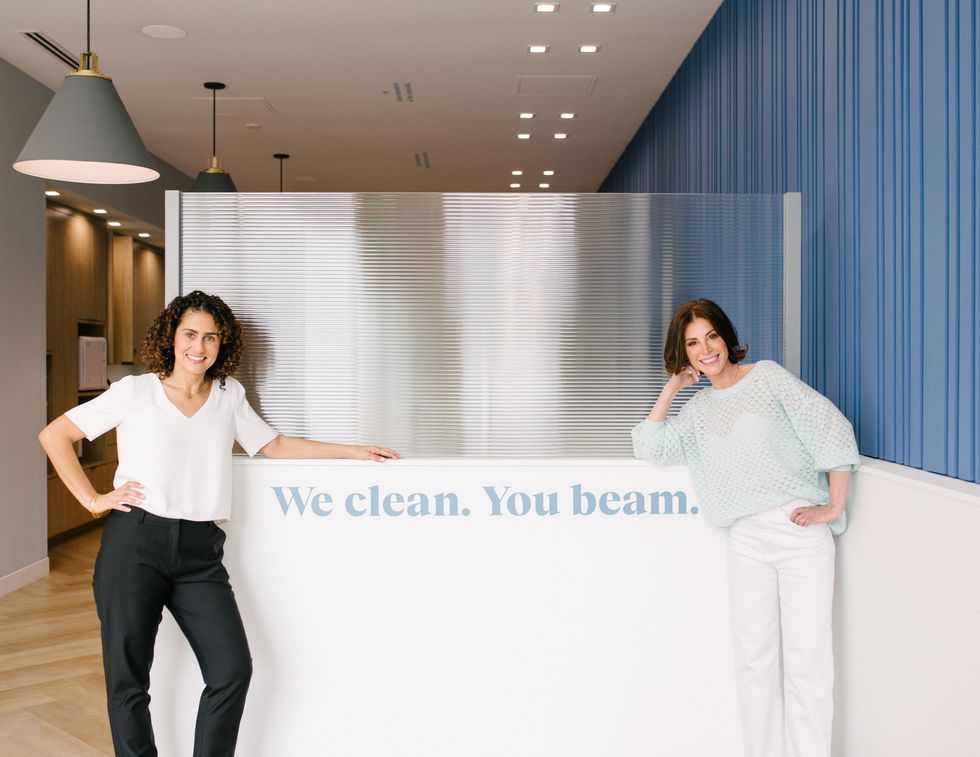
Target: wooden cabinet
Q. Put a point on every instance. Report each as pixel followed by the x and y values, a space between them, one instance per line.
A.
pixel 103 285
pixel 121 310
pixel 64 512
pixel 77 305
pixel 77 266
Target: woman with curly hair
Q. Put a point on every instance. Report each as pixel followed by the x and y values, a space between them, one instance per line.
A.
pixel 161 547
pixel 771 458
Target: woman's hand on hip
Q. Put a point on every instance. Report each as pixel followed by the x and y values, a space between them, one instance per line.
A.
pixel 118 499
pixel 815 514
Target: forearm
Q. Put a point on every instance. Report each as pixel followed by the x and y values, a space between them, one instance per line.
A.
pixel 62 455
pixel 662 405
pixel 839 481
pixel 294 447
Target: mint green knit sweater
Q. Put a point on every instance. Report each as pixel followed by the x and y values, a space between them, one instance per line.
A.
pixel 763 442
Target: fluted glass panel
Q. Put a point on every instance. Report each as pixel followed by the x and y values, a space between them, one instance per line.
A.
pixel 476 325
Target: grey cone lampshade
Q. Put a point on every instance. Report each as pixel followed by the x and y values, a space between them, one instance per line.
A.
pixel 214 178
pixel 86 135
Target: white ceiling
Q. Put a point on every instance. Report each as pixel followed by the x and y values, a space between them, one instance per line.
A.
pixel 317 77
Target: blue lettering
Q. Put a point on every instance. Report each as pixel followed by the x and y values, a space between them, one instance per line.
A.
pixel 604 499
pixel 450 498
pixel 317 503
pixel 295 498
pixel 668 501
pixel 519 503
pixel 583 502
pixel 496 500
pixel 390 499
pixel 634 503
pixel 349 504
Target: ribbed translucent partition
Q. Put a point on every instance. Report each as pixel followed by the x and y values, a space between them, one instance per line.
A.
pixel 476 325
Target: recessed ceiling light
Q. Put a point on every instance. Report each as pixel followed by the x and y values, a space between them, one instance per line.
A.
pixel 163 31
pixel 566 116
pixel 252 125
pixel 537 49
pixel 544 186
pixel 144 235
pixel 52 193
pixel 527 115
pixel 559 135
pixel 100 211
pixel 523 136
pixel 588 48
pixel 603 7
pixel 516 173
pixel 547 173
pixel 114 223
pixel 515 186
pixel 546 7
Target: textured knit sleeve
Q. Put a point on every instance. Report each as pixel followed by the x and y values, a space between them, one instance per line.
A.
pixel 663 442
pixel 824 431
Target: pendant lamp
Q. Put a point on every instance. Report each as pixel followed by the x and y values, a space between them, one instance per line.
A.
pixel 214 178
pixel 86 135
pixel 280 156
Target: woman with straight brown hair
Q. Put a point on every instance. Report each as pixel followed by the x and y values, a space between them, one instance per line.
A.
pixel 161 546
pixel 771 458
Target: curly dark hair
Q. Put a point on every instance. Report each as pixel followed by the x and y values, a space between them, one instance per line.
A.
pixel 675 354
pixel 157 352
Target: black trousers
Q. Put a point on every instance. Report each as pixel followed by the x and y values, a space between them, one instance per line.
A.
pixel 147 563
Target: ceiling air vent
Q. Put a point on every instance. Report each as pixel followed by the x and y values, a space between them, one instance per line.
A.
pixel 403 92
pixel 52 47
pixel 555 85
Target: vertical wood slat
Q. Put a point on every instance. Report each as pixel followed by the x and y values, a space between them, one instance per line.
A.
pixel 879 128
pixel 148 278
pixel 121 298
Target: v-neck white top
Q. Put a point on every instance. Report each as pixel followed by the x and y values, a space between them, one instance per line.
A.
pixel 184 464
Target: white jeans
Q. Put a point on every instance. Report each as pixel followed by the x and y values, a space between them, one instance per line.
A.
pixel 782 585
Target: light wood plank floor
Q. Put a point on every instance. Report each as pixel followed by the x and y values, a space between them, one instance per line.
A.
pixel 52 693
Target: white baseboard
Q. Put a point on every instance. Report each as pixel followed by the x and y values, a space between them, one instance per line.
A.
pixel 20 578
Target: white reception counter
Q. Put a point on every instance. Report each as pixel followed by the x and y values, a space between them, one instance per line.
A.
pixel 573 608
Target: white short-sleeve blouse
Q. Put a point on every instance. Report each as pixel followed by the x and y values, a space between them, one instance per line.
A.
pixel 184 464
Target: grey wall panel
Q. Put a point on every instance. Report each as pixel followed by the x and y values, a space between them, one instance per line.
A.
pixel 475 325
pixel 23 507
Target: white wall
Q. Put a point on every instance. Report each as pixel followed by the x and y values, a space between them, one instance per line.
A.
pixel 908 616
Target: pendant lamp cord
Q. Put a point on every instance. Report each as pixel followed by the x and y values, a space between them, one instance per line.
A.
pixel 88 26
pixel 214 122
pixel 280 174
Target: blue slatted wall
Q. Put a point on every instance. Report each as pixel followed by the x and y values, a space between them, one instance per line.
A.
pixel 870 108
